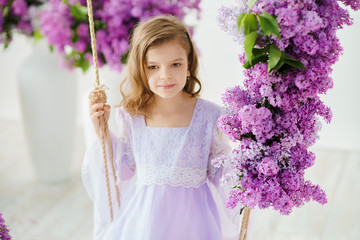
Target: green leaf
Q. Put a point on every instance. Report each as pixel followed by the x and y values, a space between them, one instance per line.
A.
pixel 240 20
pixel 78 11
pixel 281 62
pixel 274 57
pixel 269 25
pixel 289 58
pixel 6 9
pixel 6 44
pixel 37 35
pixel 249 44
pixel 255 60
pixel 258 51
pixel 51 48
pixel 247 65
pixel 82 62
pixel 75 37
pixel 241 210
pixel 8 38
pixel 250 24
pixel 84 65
pixel 248 135
pixel 99 25
pixel 294 63
pixel 251 3
pixel 124 58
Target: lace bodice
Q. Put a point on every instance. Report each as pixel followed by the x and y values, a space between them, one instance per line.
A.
pixel 174 156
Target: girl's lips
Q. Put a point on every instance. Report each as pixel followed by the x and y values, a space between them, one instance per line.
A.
pixel 167 86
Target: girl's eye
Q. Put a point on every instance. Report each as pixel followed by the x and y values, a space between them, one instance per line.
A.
pixel 151 67
pixel 176 64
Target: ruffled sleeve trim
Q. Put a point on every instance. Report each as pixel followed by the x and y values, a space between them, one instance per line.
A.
pixel 93 174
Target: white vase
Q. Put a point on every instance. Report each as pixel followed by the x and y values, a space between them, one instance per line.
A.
pixel 48 101
pixel 112 80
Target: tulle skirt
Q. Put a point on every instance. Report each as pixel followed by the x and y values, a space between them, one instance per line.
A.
pixel 162 212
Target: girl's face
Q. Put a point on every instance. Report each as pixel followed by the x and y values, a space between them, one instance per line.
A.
pixel 167 69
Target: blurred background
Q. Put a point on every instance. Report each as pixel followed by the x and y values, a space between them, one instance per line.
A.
pixel 55 206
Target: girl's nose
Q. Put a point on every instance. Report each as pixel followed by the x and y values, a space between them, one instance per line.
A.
pixel 164 75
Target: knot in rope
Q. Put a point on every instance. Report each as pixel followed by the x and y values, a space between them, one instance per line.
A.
pixel 98 94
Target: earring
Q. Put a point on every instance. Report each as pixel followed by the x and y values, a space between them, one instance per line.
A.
pixel 187 78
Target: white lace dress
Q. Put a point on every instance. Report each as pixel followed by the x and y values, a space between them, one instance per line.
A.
pixel 169 189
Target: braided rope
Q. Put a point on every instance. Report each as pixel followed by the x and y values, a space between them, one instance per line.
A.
pixel 98 95
pixel 107 133
pixel 245 223
pixel 93 43
pixel 102 137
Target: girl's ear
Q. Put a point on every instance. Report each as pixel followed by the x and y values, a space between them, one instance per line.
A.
pixel 188 73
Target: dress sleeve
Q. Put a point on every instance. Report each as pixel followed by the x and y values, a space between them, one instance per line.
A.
pixel 229 218
pixel 93 176
pixel 219 146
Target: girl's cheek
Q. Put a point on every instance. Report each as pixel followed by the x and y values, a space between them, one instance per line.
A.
pixel 150 77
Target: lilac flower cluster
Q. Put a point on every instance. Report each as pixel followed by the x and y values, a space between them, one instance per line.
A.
pixel 355 5
pixel 114 20
pixel 275 118
pixel 4 231
pixel 16 15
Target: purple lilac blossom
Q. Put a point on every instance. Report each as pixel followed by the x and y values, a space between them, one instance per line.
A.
pixel 4 231
pixel 275 117
pixel 56 25
pixel 18 17
pixel 354 4
pixel 229 15
pixel 19 7
pixel 268 166
pixel 116 18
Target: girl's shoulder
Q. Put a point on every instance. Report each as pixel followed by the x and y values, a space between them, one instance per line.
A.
pixel 121 114
pixel 123 117
pixel 209 107
pixel 209 110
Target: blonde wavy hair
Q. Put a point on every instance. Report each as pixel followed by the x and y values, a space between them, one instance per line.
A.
pixel 135 91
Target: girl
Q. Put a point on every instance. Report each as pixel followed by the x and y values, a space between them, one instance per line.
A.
pixel 169 189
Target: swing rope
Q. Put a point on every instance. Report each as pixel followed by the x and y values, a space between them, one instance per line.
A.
pixel 245 223
pixel 98 95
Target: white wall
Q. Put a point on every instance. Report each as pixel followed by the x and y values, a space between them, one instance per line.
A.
pixel 344 130
pixel 220 69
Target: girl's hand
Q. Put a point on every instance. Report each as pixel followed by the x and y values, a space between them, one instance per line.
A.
pixel 95 111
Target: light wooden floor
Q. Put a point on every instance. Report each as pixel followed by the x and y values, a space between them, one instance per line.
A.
pixel 35 210
pixel 38 211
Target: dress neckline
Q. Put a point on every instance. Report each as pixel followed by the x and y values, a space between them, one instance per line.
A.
pixel 191 122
